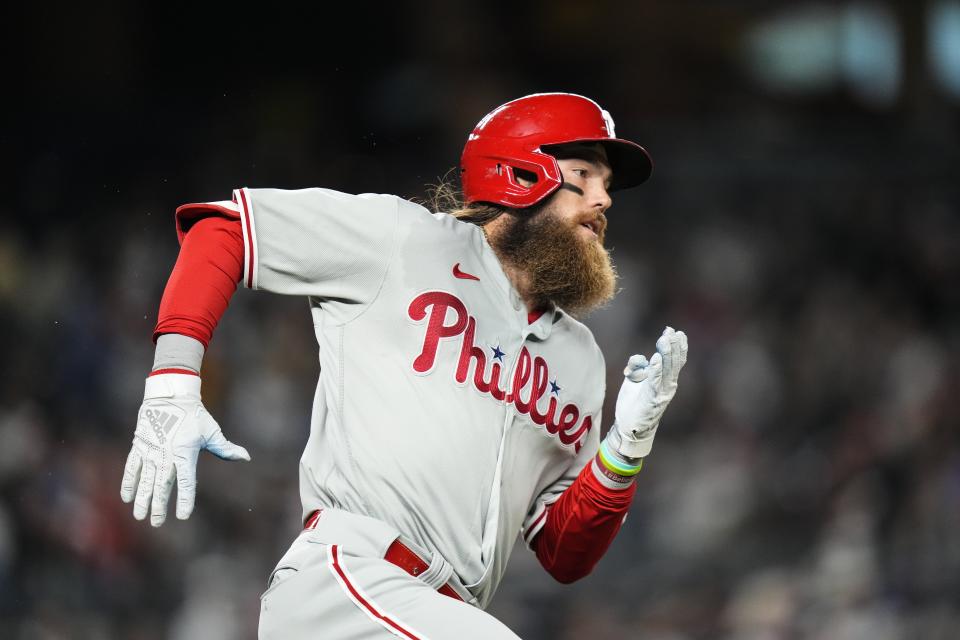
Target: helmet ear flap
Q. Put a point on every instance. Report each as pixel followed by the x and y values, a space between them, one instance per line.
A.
pixel 513 181
pixel 529 179
pixel 541 174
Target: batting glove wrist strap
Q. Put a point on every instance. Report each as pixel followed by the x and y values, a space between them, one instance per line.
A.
pixel 630 451
pixel 171 385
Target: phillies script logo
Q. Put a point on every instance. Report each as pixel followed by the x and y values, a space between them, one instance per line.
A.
pixel 530 375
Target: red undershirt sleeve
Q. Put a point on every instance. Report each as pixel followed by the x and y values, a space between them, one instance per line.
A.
pixel 204 278
pixel 580 526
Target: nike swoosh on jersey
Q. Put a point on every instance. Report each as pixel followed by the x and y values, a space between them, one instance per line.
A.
pixel 463 275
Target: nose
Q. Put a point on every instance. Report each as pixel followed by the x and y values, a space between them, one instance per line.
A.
pixel 600 198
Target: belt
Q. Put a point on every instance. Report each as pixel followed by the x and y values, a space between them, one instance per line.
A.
pixel 400 555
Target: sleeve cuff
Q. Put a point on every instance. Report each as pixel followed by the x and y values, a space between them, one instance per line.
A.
pixel 250 257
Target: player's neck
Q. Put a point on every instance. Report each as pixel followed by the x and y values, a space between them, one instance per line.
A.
pixel 521 280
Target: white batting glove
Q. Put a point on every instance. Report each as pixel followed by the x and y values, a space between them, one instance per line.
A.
pixel 647 389
pixel 172 428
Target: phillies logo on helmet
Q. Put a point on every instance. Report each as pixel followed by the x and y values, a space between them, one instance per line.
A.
pixel 608 120
pixel 530 374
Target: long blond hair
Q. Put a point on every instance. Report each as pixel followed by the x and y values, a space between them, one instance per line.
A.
pixel 446 196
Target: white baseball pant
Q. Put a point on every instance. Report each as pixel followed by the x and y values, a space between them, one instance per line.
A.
pixel 334 583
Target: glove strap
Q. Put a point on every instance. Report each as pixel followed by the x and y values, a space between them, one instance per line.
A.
pixel 186 372
pixel 169 385
pixel 631 447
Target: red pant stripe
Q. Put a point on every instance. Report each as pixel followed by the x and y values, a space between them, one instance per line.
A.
pixel 364 603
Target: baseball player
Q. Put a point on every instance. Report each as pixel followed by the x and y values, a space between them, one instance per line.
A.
pixel 459 401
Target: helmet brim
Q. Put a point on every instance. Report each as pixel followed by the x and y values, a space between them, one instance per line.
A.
pixel 630 163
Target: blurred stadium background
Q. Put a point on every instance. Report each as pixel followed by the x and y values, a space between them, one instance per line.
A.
pixel 802 226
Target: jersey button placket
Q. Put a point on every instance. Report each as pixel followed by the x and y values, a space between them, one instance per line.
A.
pixel 514 357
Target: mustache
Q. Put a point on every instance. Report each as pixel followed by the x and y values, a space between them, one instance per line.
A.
pixel 600 220
pixel 537 213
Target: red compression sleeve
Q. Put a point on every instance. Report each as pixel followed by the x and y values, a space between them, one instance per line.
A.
pixel 208 269
pixel 580 526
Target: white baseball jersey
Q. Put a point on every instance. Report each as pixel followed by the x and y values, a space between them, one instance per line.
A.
pixel 439 410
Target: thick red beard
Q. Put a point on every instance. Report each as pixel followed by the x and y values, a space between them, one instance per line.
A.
pixel 565 269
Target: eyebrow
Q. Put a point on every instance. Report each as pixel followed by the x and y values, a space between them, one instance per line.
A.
pixel 593 157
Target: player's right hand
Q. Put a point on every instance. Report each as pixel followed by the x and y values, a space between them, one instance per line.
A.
pixel 172 428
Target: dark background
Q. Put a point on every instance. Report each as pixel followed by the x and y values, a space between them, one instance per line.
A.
pixel 801 226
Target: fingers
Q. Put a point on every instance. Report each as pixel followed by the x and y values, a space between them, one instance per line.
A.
pixel 186 489
pixel 131 471
pixel 665 338
pixel 682 355
pixel 161 494
pixel 672 346
pixel 665 344
pixel 655 370
pixel 144 490
pixel 636 367
pixel 148 479
pixel 219 446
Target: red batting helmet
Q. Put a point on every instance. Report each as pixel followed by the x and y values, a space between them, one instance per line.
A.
pixel 516 136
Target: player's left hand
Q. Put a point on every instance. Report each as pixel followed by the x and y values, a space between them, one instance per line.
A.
pixel 648 388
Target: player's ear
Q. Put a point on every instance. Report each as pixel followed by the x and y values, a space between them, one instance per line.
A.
pixel 524 177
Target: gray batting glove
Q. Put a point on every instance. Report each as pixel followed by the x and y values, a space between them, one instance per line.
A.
pixel 172 428
pixel 648 388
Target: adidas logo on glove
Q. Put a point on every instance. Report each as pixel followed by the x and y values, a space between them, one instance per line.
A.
pixel 161 422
